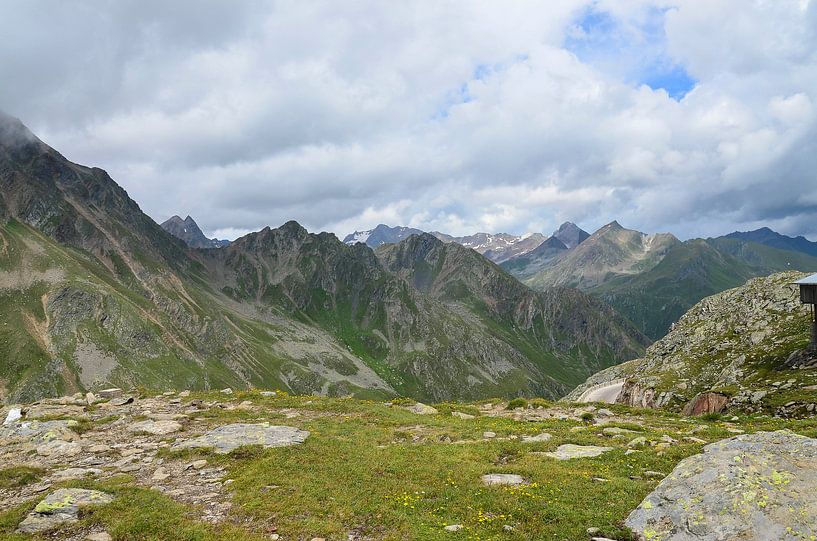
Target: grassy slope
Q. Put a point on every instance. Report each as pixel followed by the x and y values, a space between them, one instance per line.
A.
pixel 360 471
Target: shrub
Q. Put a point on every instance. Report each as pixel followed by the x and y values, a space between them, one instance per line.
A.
pixel 517 403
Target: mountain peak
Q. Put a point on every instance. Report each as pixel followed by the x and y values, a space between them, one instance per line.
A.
pixel 14 133
pixel 570 235
pixel 190 232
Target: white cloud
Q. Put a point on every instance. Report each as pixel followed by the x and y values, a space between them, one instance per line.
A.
pixel 456 116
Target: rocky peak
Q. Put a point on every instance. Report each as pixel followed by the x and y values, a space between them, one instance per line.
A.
pixel 190 232
pixel 570 235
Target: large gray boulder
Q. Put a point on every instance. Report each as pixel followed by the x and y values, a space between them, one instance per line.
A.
pixel 230 437
pixel 753 486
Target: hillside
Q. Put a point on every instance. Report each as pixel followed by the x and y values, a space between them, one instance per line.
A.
pixel 739 344
pixel 94 293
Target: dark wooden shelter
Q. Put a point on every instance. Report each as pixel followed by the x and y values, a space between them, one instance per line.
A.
pixel 808 295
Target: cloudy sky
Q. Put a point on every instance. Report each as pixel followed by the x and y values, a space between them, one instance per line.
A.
pixel 697 117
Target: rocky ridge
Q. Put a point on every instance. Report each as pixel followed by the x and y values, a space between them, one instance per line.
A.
pixel 738 350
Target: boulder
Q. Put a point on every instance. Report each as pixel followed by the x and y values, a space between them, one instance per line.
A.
pixel 59 507
pixel 230 437
pixel 752 486
pixel 706 403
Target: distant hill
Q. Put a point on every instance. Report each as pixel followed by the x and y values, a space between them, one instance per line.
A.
pixel 766 236
pixel 188 231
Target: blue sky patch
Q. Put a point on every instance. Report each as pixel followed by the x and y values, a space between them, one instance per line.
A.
pixel 634 53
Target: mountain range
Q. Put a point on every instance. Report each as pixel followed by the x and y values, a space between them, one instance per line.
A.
pixel 652 279
pixel 94 293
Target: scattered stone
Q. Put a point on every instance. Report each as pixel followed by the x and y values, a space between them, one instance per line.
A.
pixel 59 507
pixel 197 464
pixel 503 479
pixel 230 437
pixel 453 527
pixel 160 474
pixel 649 474
pixel 544 436
pixel 754 486
pixel 461 415
pixel 640 441
pixel 422 409
pixel 14 415
pixel 157 428
pixel 99 536
pixel 693 439
pixel 570 451
pixel 488 435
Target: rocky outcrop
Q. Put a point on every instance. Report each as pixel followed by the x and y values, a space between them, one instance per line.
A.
pixel 757 486
pixel 732 350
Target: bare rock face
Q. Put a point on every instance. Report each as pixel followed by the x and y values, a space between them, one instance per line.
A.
pixel 706 403
pixel 752 486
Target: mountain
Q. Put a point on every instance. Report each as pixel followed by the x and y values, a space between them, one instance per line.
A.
pixel 497 247
pixel 382 234
pixel 188 231
pixel 766 236
pixel 653 279
pixel 94 293
pixel 741 349
pixel 526 265
pixel 571 235
pixel 610 251
pixel 553 325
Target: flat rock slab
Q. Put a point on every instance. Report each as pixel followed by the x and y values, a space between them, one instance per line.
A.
pixel 157 428
pixel 569 451
pixel 230 437
pixel 752 486
pixel 422 409
pixel 61 506
pixel 544 436
pixel 503 479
